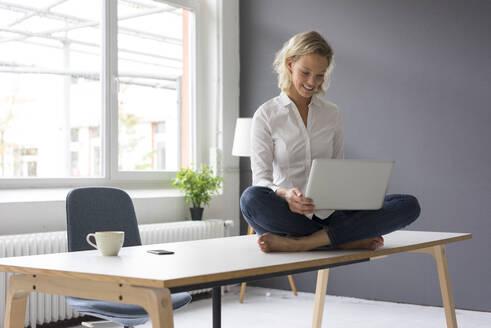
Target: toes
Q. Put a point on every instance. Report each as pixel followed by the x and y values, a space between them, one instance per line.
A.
pixel 264 248
pixel 263 244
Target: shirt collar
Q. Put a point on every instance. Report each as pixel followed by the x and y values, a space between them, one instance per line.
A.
pixel 285 100
pixel 316 101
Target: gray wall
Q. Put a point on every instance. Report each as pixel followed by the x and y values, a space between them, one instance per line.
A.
pixel 413 80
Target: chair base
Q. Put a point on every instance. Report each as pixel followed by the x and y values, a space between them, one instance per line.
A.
pixel 102 324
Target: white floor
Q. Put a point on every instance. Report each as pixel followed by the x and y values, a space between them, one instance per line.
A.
pixel 270 307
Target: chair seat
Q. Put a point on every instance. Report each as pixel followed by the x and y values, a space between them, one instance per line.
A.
pixel 124 314
pixel 180 299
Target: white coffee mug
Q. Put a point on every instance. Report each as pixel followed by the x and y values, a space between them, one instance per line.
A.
pixel 107 242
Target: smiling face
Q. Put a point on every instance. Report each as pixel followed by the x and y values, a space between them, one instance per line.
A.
pixel 308 73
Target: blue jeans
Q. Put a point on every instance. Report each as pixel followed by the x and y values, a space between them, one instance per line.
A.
pixel 265 211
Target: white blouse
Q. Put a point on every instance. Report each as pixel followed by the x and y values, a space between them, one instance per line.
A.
pixel 283 148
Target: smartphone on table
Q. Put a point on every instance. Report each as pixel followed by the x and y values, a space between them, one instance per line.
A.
pixel 160 251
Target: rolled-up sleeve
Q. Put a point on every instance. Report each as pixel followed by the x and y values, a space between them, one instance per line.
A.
pixel 338 141
pixel 262 152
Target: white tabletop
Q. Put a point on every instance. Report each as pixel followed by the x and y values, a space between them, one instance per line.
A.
pixel 207 260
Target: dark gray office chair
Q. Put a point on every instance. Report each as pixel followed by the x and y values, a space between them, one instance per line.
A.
pixel 93 209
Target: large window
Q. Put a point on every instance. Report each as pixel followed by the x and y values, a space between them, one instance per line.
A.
pixel 74 106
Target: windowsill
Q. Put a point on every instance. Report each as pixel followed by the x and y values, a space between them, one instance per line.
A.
pixel 33 195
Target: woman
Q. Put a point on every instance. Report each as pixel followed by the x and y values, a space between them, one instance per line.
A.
pixel 288 132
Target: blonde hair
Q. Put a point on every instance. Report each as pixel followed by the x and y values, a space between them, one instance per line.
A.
pixel 302 44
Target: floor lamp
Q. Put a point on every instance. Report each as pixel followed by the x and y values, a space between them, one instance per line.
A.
pixel 242 147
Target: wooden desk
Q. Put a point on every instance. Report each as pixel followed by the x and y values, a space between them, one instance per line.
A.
pixel 137 277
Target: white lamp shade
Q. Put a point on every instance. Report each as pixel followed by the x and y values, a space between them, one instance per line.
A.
pixel 242 137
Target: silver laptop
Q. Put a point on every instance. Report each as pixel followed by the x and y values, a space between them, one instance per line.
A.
pixel 348 184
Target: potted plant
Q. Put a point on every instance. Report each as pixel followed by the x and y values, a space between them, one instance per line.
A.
pixel 198 187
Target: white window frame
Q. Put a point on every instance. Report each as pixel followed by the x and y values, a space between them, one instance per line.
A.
pixel 109 114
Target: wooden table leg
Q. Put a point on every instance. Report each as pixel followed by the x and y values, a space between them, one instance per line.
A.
pixel 156 301
pixel 242 292
pixel 15 310
pixel 159 307
pixel 292 285
pixel 440 255
pixel 320 297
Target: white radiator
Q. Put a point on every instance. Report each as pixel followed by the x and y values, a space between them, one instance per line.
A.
pixel 43 308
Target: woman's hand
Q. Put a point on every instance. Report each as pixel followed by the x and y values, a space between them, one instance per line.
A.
pixel 296 202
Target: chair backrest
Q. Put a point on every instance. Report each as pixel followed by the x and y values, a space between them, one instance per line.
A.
pixel 92 209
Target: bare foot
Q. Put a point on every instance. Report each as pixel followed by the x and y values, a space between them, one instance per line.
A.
pixel 369 243
pixel 269 242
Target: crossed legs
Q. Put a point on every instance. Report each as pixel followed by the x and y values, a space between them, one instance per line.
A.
pixel 282 230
